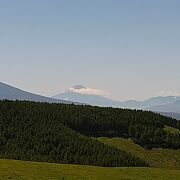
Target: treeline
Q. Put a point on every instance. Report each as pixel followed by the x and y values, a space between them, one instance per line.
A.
pixel 63 133
pixel 36 132
pixel 152 137
pixel 145 128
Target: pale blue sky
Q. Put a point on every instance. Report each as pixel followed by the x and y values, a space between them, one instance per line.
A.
pixel 128 48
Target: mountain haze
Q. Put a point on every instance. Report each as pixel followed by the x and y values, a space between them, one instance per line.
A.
pixel 172 107
pixel 80 93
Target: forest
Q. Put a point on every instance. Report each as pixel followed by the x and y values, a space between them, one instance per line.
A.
pixel 66 133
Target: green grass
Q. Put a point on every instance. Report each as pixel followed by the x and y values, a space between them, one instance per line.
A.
pixel 164 158
pixel 11 169
pixel 172 130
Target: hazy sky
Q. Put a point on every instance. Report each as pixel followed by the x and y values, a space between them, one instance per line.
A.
pixel 128 48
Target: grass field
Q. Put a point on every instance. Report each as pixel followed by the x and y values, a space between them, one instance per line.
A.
pixel 164 158
pixel 11 169
pixel 172 130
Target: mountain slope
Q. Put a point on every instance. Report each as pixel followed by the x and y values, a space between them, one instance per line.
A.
pixel 173 108
pixel 12 93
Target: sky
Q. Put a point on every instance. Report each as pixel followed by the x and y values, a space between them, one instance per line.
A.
pixel 129 49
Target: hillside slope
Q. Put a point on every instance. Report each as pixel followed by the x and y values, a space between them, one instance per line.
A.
pixel 63 133
pixel 10 169
pixel 36 132
pixel 157 157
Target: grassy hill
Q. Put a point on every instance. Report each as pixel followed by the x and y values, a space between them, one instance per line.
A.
pixel 171 130
pixel 11 169
pixel 157 157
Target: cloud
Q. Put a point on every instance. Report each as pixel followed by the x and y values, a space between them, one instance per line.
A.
pixel 88 91
pixel 166 93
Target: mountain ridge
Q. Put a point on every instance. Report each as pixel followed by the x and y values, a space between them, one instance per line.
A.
pixel 73 95
pixel 12 93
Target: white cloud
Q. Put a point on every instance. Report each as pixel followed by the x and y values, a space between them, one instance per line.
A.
pixel 88 91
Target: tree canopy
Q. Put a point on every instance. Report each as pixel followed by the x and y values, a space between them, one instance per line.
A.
pixel 64 133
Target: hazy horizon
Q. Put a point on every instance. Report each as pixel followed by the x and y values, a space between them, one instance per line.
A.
pixel 126 49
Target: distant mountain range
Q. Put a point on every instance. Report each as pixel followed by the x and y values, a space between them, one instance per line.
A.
pixel 168 104
pixel 72 93
pixel 12 93
pixel 172 107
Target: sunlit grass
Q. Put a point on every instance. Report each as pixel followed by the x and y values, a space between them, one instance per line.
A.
pixel 166 158
pixel 11 169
